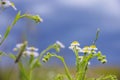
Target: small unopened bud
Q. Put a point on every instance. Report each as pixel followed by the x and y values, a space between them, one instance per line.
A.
pixel 103 61
pixel 37 18
pixel 44 60
pixel 100 58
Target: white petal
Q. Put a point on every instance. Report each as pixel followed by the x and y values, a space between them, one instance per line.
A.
pixel 59 43
pixel 19 45
pixel 32 49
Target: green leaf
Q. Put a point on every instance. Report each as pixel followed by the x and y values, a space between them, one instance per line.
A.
pixel 23 72
pixel 12 56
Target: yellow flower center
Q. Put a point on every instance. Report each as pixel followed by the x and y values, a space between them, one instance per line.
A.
pixel 93 47
pixel 86 49
pixel 75 43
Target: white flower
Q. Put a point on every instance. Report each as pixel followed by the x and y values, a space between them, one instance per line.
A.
pixel 93 47
pixel 32 49
pixel 19 45
pixel 86 49
pixel 7 3
pixel 76 48
pixel 75 43
pixel 31 53
pixel 60 44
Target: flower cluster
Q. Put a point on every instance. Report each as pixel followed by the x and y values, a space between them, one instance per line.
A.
pixel 87 50
pixel 29 51
pixel 75 46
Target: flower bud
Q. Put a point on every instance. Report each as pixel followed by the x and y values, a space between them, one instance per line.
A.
pixel 103 61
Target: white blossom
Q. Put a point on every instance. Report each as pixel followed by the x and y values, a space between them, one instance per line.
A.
pixel 31 53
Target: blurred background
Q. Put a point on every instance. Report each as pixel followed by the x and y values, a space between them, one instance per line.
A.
pixel 66 21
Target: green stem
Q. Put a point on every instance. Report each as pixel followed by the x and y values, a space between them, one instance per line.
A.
pixel 21 52
pixel 10 27
pixel 30 75
pixel 83 67
pixel 77 60
pixel 82 71
pixel 23 73
pixel 44 51
pixel 66 68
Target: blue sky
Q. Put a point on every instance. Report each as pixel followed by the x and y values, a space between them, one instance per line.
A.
pixel 66 21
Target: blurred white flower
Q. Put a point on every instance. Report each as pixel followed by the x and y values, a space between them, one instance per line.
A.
pixel 76 48
pixel 18 46
pixel 7 3
pixel 60 44
pixel 31 53
pixel 32 49
pixel 90 49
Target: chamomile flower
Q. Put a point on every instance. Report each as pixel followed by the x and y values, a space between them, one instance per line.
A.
pixel 75 46
pixel 86 49
pixel 75 43
pixel 93 47
pixel 7 3
pixel 90 49
pixel 31 53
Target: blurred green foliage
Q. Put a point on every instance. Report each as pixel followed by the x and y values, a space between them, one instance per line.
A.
pixel 48 73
